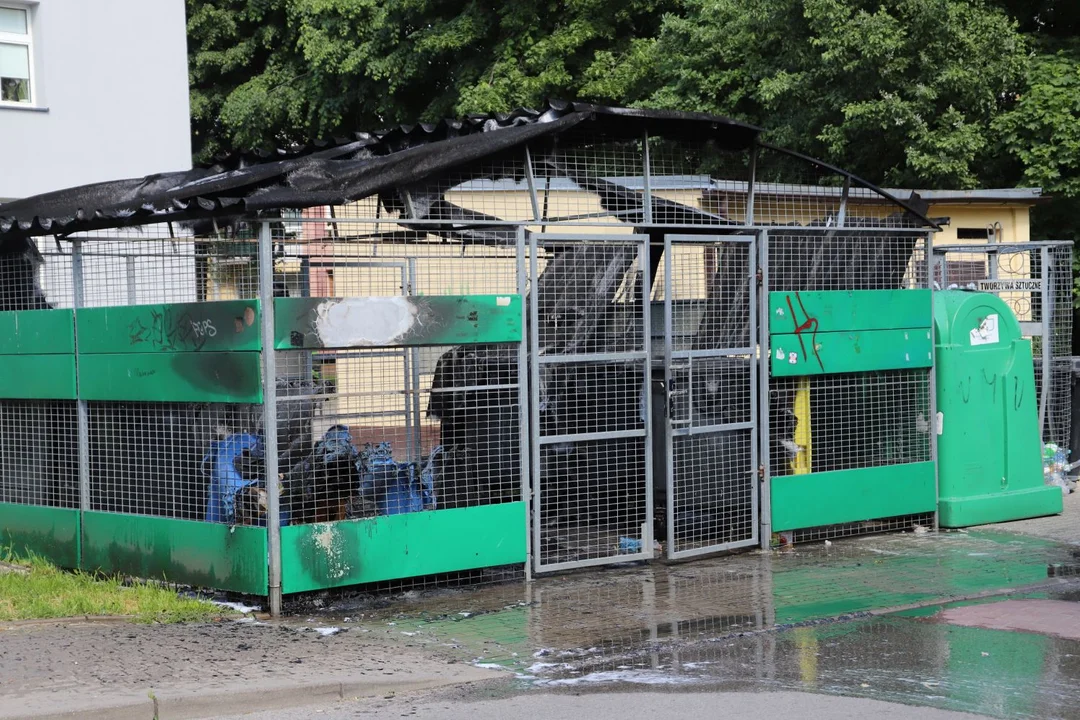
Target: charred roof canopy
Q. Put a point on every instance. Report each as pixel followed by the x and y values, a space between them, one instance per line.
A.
pixel 429 159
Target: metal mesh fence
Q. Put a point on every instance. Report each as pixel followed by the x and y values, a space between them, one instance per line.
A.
pixel 367 431
pixel 846 420
pixel 1035 281
pixel 711 390
pixel 590 464
pixel 369 428
pixel 38 453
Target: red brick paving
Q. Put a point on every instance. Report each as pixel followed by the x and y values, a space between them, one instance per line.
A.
pixel 1046 617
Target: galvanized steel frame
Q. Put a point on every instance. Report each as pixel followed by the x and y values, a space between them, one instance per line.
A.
pixel 670 355
pixel 535 365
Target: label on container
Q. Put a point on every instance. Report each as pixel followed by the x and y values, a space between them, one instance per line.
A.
pixel 987 332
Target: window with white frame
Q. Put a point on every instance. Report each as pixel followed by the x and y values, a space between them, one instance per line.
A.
pixel 16 55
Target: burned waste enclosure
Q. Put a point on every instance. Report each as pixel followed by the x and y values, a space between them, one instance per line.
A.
pixel 542 338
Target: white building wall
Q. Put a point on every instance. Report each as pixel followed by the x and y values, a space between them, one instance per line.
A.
pixel 110 96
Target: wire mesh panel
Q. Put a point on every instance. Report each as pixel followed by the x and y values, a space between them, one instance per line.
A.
pixel 856 407
pixel 1035 281
pixel 709 295
pixel 38 454
pixel 591 462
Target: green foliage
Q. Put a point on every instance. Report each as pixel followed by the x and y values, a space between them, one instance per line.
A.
pixel 899 93
pixel 266 72
pixel 925 93
pixel 1043 129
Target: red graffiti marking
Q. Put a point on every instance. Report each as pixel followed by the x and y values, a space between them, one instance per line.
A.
pixel 811 324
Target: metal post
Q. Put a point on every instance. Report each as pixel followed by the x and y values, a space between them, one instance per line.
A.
pixel 932 422
pixel 524 406
pixel 669 464
pixel 765 505
pixel 534 403
pixel 132 294
pixel 82 409
pixel 646 388
pixel 1047 310
pixel 750 189
pixel 646 176
pixel 269 380
pixel 414 366
pixel 532 184
pixel 842 215
pixel 754 295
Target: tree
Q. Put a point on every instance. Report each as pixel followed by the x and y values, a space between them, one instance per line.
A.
pixel 267 72
pixel 901 93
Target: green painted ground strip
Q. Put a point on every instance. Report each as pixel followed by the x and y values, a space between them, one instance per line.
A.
pixel 843 496
pixel 37 377
pixel 435 320
pixel 228 377
pixel 50 532
pixel 400 546
pixel 37 332
pixel 856 351
pixel 846 310
pixel 231 325
pixel 202 554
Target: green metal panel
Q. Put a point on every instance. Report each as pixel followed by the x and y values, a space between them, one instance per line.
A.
pixel 846 310
pixel 856 351
pixel 843 496
pixel 183 551
pixel 37 332
pixel 395 321
pixel 37 377
pixel 50 532
pixel 401 546
pixel 230 377
pixel 173 327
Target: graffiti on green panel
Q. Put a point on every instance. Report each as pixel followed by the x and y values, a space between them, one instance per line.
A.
pixel 202 554
pixel 37 332
pixel 396 321
pixel 350 552
pixel 37 377
pixel 810 353
pixel 173 327
pixel 843 496
pixel 49 532
pixel 845 310
pixel 228 377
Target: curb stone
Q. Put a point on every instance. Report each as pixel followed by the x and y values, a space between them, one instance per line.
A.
pixel 164 705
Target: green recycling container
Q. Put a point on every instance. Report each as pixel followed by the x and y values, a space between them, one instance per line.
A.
pixel 989 446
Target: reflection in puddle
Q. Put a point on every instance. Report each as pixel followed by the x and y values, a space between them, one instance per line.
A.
pixel 805 619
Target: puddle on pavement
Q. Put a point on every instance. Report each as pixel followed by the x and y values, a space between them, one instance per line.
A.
pixel 794 619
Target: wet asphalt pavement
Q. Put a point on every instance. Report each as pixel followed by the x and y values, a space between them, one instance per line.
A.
pixel 859 618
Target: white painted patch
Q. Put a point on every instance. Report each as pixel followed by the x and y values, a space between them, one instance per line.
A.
pixel 326 540
pixel 502 301
pixel 637 677
pixel 364 321
pixel 238 607
pixel 987 332
pixel 780 354
pixel 940 422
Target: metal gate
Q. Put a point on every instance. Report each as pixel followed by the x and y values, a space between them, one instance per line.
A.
pixel 591 458
pixel 710 381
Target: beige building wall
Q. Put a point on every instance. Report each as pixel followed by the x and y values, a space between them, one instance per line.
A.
pixel 371 390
